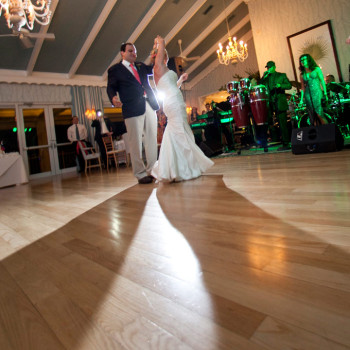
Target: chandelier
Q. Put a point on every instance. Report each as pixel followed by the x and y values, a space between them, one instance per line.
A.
pixel 234 50
pixel 19 13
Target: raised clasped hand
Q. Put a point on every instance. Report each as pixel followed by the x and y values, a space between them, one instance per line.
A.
pixel 184 76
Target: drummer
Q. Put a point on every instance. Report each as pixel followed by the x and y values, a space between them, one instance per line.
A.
pixel 276 84
pixel 335 90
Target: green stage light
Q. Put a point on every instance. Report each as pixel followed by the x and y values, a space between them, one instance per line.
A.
pixel 226 120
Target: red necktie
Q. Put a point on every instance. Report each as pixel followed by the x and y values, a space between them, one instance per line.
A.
pixel 136 73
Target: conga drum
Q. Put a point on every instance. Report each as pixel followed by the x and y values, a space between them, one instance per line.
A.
pixel 240 110
pixel 232 86
pixel 244 84
pixel 258 98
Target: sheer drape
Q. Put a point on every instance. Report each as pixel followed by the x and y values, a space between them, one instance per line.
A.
pixel 83 98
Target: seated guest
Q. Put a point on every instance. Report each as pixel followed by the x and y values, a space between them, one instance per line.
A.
pixel 77 132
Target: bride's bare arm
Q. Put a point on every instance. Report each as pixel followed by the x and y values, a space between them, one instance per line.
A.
pixel 182 78
pixel 160 48
pixel 160 64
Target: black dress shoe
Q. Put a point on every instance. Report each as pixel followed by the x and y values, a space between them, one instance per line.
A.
pixel 146 180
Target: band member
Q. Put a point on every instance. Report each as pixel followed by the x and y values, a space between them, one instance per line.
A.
pixel 312 80
pixel 226 130
pixel 276 84
pixel 335 90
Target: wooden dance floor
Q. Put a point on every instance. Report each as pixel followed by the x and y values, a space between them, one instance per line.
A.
pixel 254 255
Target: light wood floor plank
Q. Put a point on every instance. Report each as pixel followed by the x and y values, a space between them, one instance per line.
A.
pixel 20 321
pixel 254 255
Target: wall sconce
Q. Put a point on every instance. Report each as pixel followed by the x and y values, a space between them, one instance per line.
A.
pixel 90 113
pixel 188 110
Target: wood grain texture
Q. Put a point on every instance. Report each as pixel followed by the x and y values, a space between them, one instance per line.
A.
pixel 254 255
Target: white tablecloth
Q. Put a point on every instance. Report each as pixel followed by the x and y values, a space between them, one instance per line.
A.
pixel 12 169
pixel 119 145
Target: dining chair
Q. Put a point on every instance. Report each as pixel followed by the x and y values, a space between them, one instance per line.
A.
pixel 92 158
pixel 111 152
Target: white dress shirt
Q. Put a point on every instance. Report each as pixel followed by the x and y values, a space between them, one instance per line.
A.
pixel 71 134
pixel 127 65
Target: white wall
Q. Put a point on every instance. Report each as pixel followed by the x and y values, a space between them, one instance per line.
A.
pixel 272 21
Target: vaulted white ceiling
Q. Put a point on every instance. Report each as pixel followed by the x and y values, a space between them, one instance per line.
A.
pixel 88 35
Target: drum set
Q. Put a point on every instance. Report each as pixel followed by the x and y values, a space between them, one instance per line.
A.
pixel 249 100
pixel 245 98
pixel 336 111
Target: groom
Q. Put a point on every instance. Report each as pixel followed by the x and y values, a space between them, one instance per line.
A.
pixel 130 80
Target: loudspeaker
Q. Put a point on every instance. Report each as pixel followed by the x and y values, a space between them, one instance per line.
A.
pixel 210 150
pixel 317 139
pixel 206 149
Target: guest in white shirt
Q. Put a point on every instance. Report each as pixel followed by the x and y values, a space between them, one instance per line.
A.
pixel 77 132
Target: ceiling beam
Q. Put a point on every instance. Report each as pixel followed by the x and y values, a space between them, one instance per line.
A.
pixel 186 17
pixel 39 42
pixel 138 31
pixel 212 49
pixel 92 36
pixel 179 25
pixel 246 37
pixel 218 20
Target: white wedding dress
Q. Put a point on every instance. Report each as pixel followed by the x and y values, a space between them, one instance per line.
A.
pixel 179 157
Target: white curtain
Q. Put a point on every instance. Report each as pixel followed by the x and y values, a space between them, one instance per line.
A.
pixel 83 98
pixel 26 93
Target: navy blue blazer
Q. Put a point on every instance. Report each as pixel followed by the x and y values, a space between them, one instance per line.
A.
pixel 131 92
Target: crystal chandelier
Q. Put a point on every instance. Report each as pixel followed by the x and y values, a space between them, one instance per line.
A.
pixel 234 50
pixel 19 13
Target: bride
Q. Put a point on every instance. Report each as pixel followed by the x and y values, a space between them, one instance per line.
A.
pixel 179 157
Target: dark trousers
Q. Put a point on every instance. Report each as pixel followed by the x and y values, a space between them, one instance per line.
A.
pixel 261 134
pixel 282 120
pixel 228 132
pixel 102 149
pixel 79 156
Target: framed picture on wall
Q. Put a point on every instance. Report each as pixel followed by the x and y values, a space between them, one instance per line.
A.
pixel 318 42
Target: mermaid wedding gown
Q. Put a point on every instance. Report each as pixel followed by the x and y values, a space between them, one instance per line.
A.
pixel 179 157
